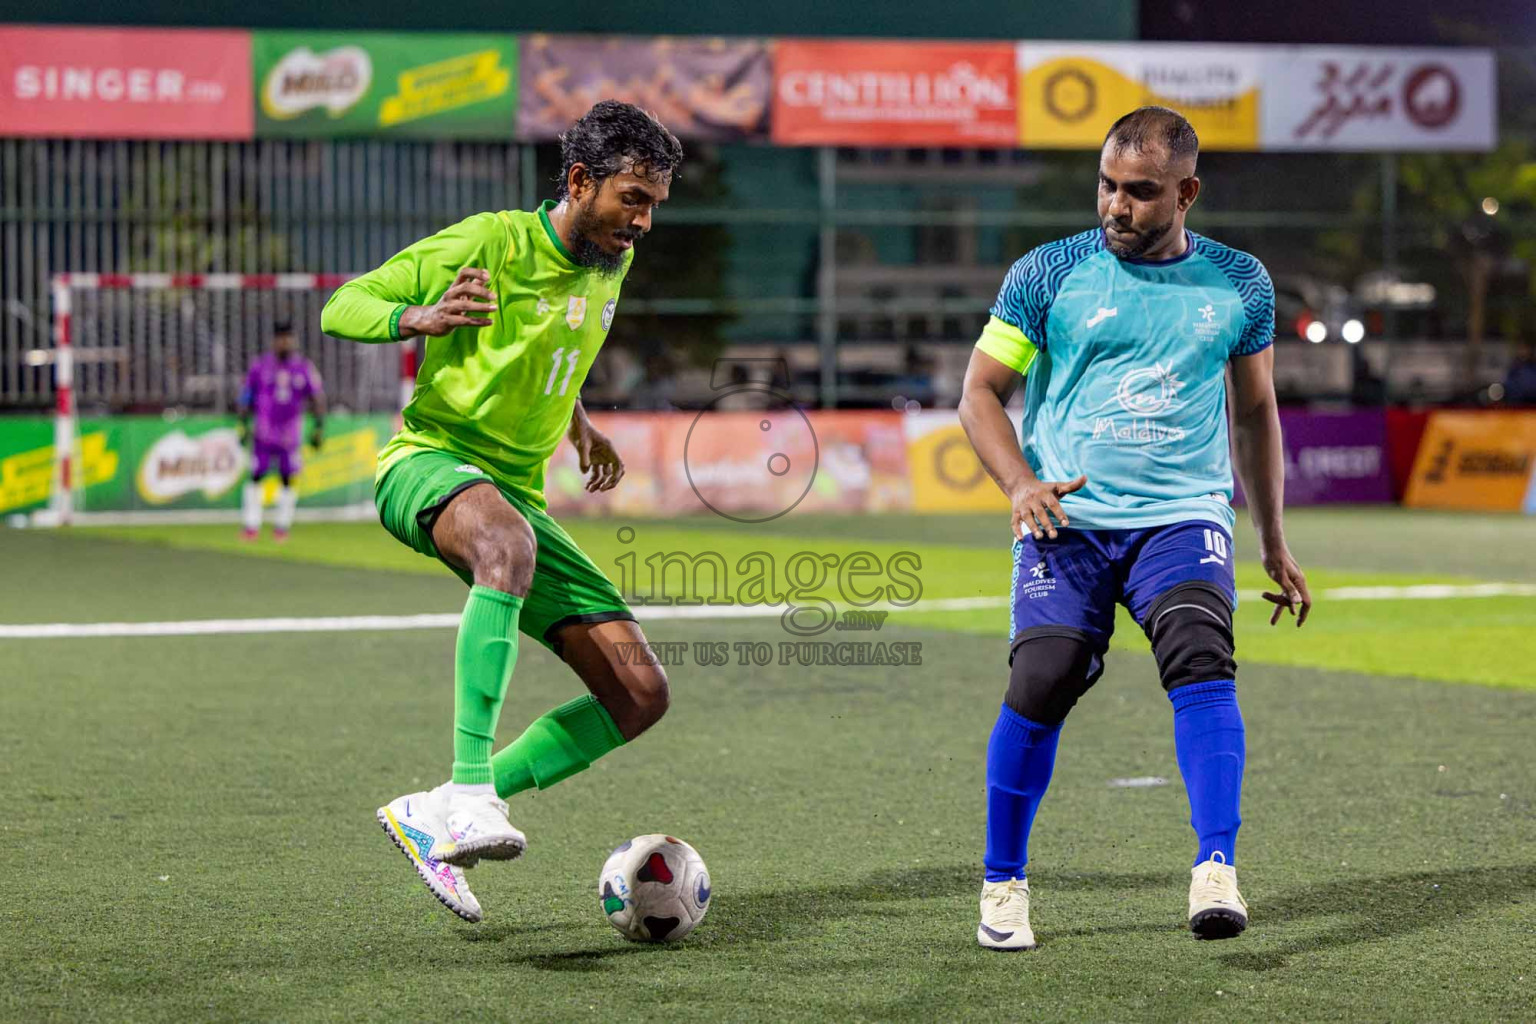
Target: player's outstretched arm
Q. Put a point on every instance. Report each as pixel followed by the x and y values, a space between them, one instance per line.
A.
pixel 435 286
pixel 1260 461
pixel 983 398
pixel 596 453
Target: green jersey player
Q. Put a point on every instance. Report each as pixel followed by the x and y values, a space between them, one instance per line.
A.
pixel 515 305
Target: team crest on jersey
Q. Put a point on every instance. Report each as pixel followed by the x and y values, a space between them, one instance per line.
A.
pixel 1206 324
pixel 576 311
pixel 608 309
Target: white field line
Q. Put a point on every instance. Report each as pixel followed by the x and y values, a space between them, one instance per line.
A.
pixel 450 620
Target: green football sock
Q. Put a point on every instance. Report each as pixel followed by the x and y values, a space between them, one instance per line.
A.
pixel 555 747
pixel 487 650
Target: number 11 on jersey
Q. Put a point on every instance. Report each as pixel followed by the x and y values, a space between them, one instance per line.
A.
pixel 571 359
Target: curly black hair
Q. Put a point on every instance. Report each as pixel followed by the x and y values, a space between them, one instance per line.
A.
pixel 612 136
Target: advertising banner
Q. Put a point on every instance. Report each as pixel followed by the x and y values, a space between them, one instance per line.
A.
pixel 1474 460
pixel 328 84
pixel 1070 93
pixel 1333 458
pixel 742 465
pixel 137 463
pixel 700 88
pixel 125 83
pixel 1379 98
pixel 946 474
pixel 845 92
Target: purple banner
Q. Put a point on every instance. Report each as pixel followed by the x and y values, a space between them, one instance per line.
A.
pixel 1333 457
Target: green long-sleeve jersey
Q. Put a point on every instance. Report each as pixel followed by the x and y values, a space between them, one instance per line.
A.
pixel 501 396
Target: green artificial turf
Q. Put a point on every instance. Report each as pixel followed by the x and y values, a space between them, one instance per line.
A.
pixel 190 833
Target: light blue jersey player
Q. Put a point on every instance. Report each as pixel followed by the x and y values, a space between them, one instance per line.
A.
pixel 1121 492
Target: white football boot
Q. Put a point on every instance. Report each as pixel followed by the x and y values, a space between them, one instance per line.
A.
pixel 1216 909
pixel 1005 916
pixel 478 829
pixel 416 824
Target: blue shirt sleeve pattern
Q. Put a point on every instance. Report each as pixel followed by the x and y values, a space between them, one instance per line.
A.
pixel 1251 282
pixel 1032 283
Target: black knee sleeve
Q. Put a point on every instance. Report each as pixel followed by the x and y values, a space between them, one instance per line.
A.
pixel 1191 632
pixel 1050 672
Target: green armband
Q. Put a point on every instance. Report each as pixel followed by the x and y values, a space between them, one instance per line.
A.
pixel 394 320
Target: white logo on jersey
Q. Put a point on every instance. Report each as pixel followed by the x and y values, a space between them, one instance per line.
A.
pixel 1149 391
pixel 1102 315
pixel 542 309
pixel 576 311
pixel 1206 326
pixel 471 470
pixel 608 309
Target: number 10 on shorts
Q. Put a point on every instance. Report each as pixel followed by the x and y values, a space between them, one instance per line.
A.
pixel 1216 544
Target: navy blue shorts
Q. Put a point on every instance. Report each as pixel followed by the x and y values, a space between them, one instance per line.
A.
pixel 1070 586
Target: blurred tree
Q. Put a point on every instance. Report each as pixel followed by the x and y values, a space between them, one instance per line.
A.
pixel 1476 206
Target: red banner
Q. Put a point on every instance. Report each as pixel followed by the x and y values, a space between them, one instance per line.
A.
pixel 126 83
pixel 894 94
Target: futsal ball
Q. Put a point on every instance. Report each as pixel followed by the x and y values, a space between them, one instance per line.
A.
pixel 654 889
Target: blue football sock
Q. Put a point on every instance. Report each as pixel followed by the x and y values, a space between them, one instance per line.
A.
pixel 1020 757
pixel 1208 736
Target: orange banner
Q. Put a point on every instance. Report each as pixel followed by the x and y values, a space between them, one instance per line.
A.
pixel 1474 460
pixel 894 94
pixel 742 465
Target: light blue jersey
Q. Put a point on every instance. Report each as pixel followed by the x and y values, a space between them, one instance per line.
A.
pixel 1129 384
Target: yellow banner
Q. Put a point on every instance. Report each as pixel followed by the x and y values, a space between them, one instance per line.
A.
pixel 1070 93
pixel 1474 460
pixel 26 478
pixel 946 475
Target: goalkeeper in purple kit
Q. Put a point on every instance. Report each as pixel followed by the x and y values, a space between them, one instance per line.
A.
pixel 277 389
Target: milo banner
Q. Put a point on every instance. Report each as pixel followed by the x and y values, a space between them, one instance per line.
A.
pixel 435 86
pixel 143 463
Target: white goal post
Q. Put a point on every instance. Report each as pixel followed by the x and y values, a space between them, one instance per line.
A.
pixel 133 346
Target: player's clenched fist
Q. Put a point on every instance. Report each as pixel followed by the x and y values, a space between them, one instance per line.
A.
pixel 464 304
pixel 1035 502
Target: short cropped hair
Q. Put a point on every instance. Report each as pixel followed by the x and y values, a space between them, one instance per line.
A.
pixel 1146 126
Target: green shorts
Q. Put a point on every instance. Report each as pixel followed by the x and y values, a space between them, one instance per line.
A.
pixel 567 585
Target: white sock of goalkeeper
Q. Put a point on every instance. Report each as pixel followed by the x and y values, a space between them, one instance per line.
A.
pixel 250 505
pixel 287 498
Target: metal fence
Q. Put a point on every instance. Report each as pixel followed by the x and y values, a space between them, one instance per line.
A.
pixel 831 257
pixel 192 207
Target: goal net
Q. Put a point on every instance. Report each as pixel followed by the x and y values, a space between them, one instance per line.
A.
pixel 147 372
